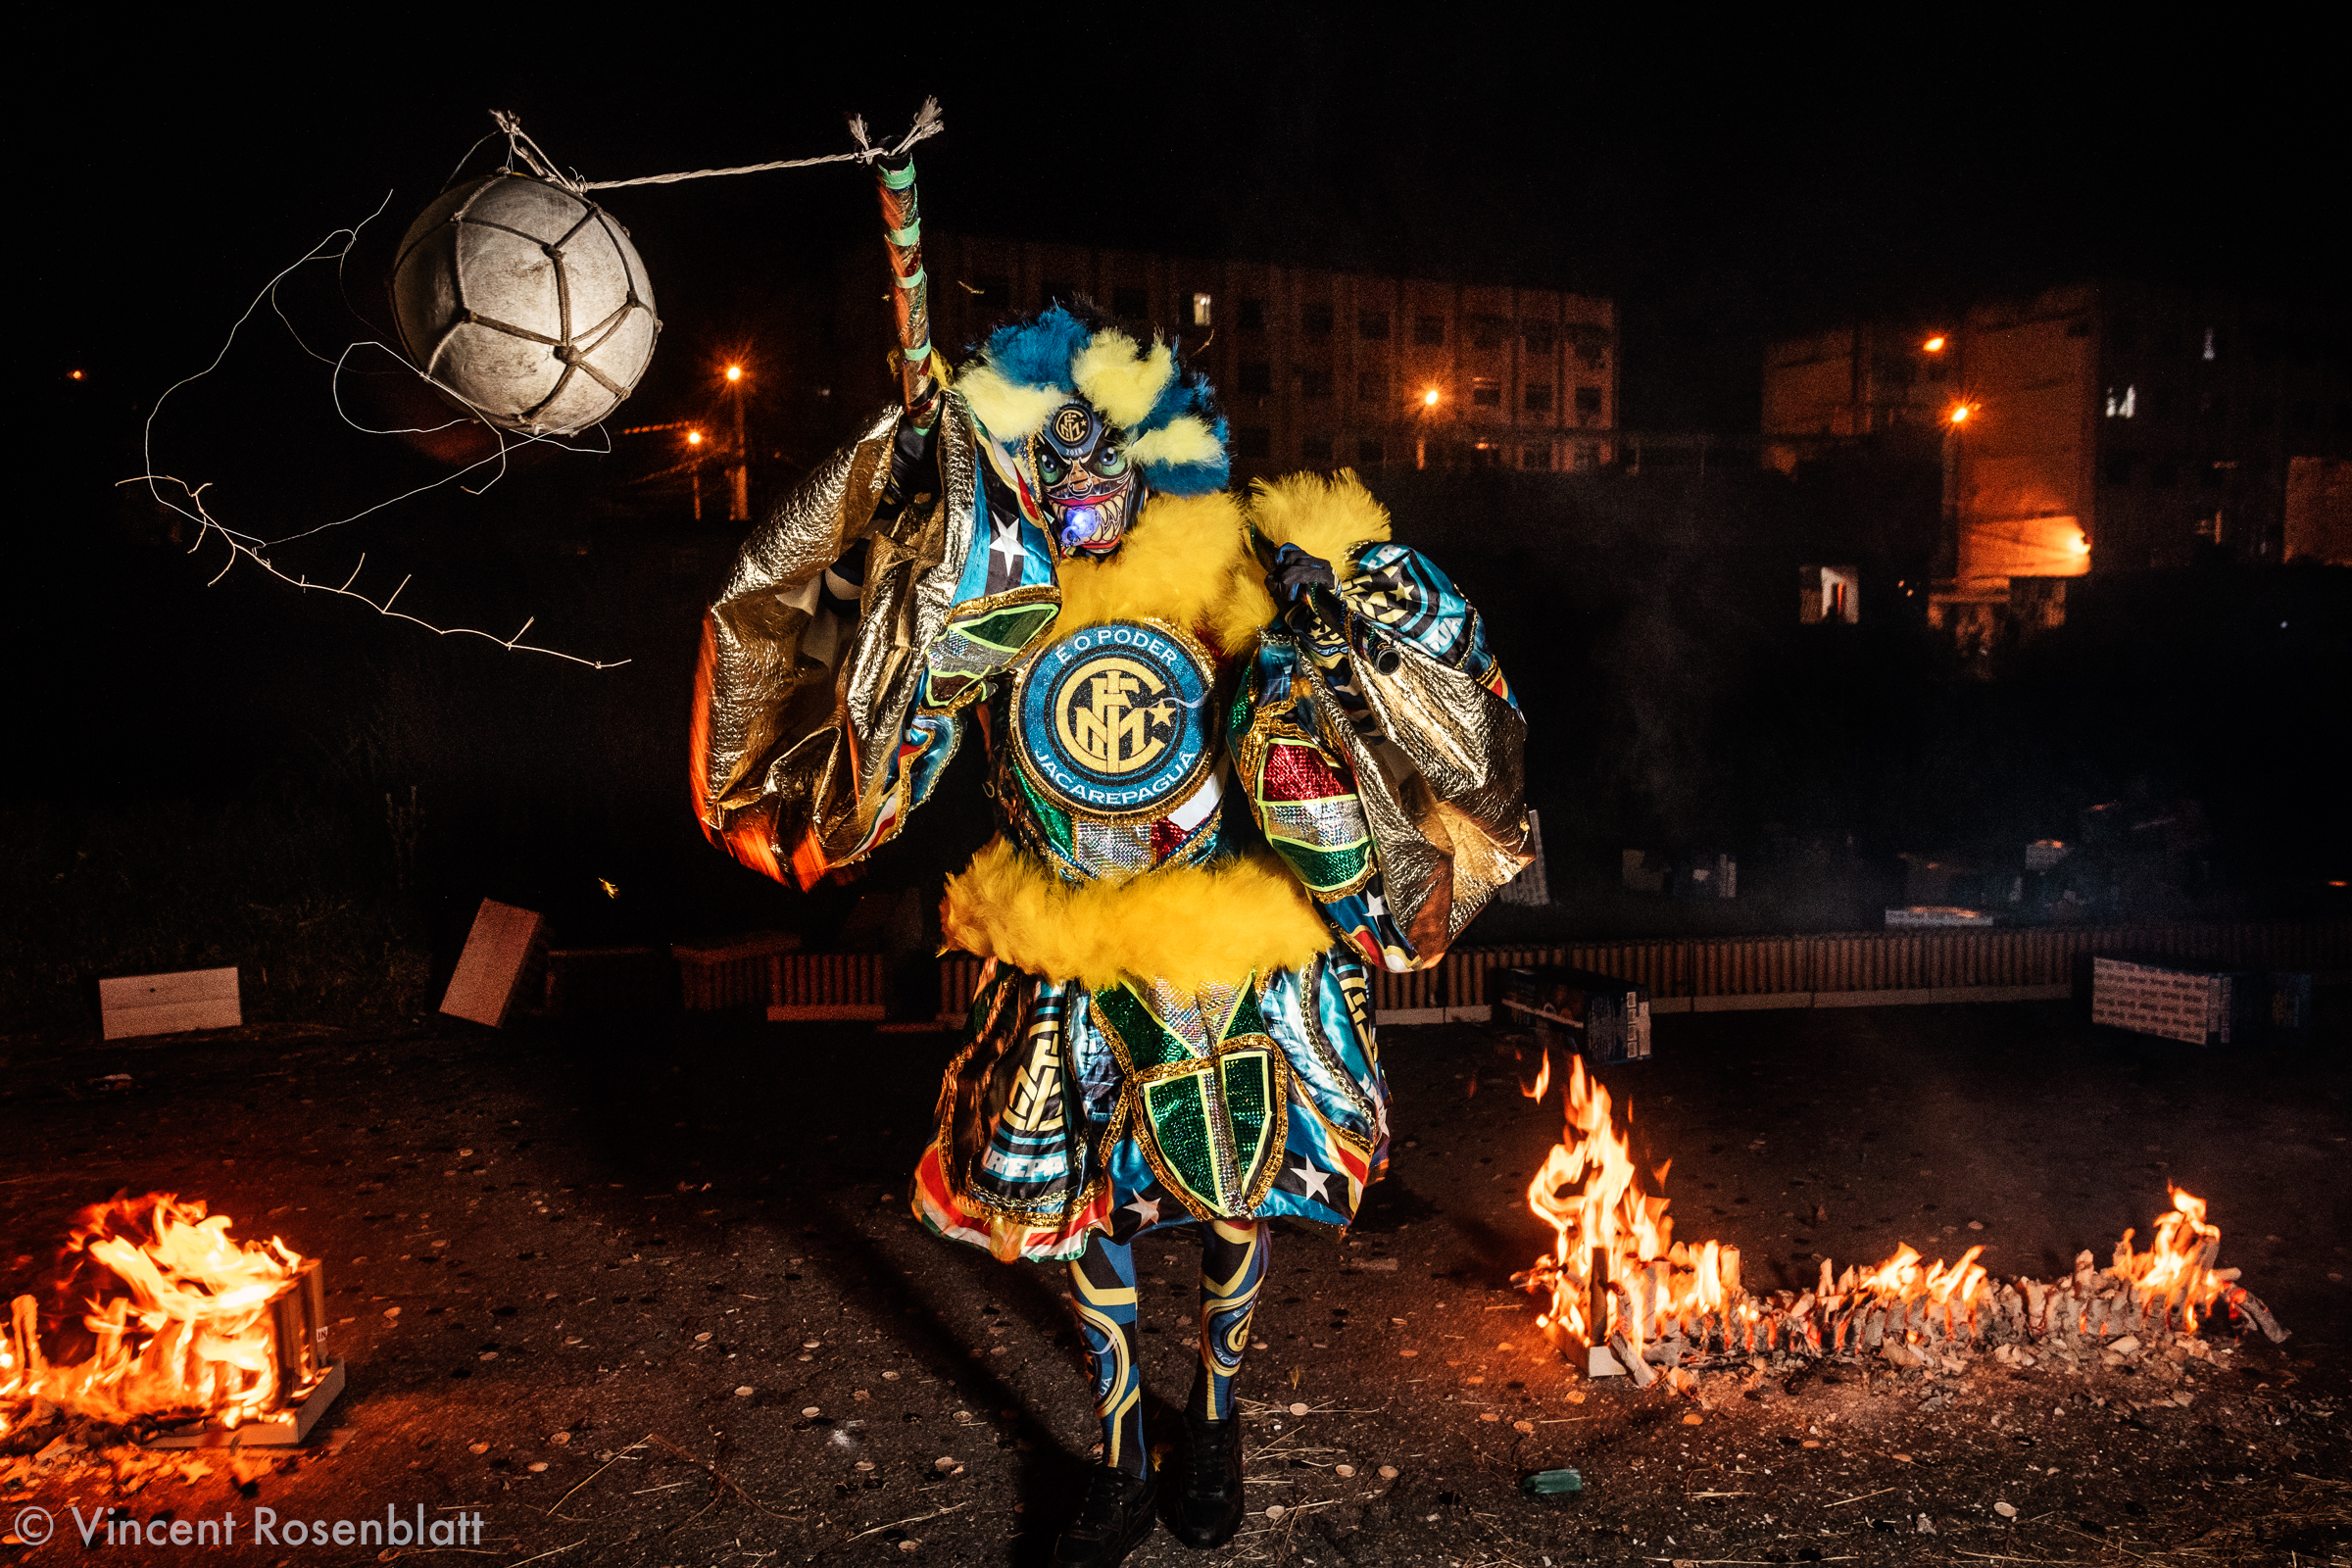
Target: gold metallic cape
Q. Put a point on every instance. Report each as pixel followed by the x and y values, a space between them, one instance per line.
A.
pixel 797 716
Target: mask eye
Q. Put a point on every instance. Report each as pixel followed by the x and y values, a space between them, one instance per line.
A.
pixel 1110 462
pixel 1049 466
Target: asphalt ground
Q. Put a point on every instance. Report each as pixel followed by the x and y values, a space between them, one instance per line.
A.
pixel 646 1293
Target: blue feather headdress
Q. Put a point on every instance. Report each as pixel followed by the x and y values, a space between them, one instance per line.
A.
pixel 1025 370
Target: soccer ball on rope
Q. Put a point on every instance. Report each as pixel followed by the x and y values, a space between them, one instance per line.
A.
pixel 525 304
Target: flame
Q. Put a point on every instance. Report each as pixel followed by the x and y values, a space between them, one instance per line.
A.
pixel 182 1316
pixel 1542 1077
pixel 1616 1274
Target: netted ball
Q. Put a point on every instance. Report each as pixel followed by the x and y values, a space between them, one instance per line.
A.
pixel 525 304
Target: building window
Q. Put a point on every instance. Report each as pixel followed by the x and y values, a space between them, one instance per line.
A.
pixel 1592 342
pixel 1535 397
pixel 2122 404
pixel 1371 452
pixel 1586 457
pixel 1253 441
pixel 1257 378
pixel 1539 335
pixel 2209 343
pixel 1314 380
pixel 1201 313
pixel 1316 450
pixel 1587 403
pixel 1130 303
pixel 1538 459
pixel 1254 315
pixel 1315 319
pixel 1429 331
pixel 1486 331
pixel 1371 387
pixel 1486 392
pixel 1372 325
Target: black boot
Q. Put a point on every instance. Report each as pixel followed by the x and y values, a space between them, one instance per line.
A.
pixel 1112 1520
pixel 1210 1509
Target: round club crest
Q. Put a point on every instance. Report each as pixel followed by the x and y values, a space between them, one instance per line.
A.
pixel 1112 721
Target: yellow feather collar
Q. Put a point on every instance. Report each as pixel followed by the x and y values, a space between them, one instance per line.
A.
pixel 1187 560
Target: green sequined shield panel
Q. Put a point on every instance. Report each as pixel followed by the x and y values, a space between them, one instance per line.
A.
pixel 983 640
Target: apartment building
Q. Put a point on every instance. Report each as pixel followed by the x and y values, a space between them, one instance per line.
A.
pixel 1316 369
pixel 2097 428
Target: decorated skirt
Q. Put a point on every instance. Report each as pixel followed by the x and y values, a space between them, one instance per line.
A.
pixel 1141 1105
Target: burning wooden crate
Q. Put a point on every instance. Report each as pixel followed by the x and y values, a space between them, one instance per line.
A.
pixel 201 1339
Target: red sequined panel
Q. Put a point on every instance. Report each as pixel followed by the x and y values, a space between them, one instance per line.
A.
pixel 1299 774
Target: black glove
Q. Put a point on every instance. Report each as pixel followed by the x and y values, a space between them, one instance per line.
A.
pixel 1305 593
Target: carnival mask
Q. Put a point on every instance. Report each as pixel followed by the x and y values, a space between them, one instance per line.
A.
pixel 1091 490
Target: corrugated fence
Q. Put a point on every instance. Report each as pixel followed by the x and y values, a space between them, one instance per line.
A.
pixel 1864 969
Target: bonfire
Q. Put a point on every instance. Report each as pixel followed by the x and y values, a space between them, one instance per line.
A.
pixel 1624 1297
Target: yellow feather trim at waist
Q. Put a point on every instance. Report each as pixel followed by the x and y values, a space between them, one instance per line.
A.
pixel 1188 925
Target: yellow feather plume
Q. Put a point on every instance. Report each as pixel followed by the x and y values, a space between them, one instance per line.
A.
pixel 1185 924
pixel 1326 517
pixel 1119 378
pixel 1007 410
pixel 1186 438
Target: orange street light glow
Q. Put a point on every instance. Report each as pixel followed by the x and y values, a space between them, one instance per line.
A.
pixel 1430 397
pixel 1933 345
pixel 694 438
pixel 1960 414
pixel 734 373
pixel 75 376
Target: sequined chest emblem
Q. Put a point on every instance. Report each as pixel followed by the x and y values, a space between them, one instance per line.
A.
pixel 1113 720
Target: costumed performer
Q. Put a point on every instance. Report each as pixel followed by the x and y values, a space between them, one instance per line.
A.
pixel 1238 753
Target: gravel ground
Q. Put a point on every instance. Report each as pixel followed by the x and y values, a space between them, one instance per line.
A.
pixel 645 1293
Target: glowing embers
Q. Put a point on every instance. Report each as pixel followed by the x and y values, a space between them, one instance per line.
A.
pixel 170 1320
pixel 1625 1296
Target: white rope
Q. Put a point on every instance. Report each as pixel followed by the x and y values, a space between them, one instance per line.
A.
pixel 927 123
pixel 250 547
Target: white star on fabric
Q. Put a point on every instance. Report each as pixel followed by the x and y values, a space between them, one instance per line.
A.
pixel 1005 541
pixel 1374 905
pixel 1148 1209
pixel 1314 1182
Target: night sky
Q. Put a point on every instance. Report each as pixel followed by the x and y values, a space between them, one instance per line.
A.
pixel 1721 186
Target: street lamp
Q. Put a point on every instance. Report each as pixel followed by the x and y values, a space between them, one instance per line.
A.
pixel 739 477
pixel 1933 345
pixel 694 445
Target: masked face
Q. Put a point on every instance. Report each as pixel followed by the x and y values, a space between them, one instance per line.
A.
pixel 1091 490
